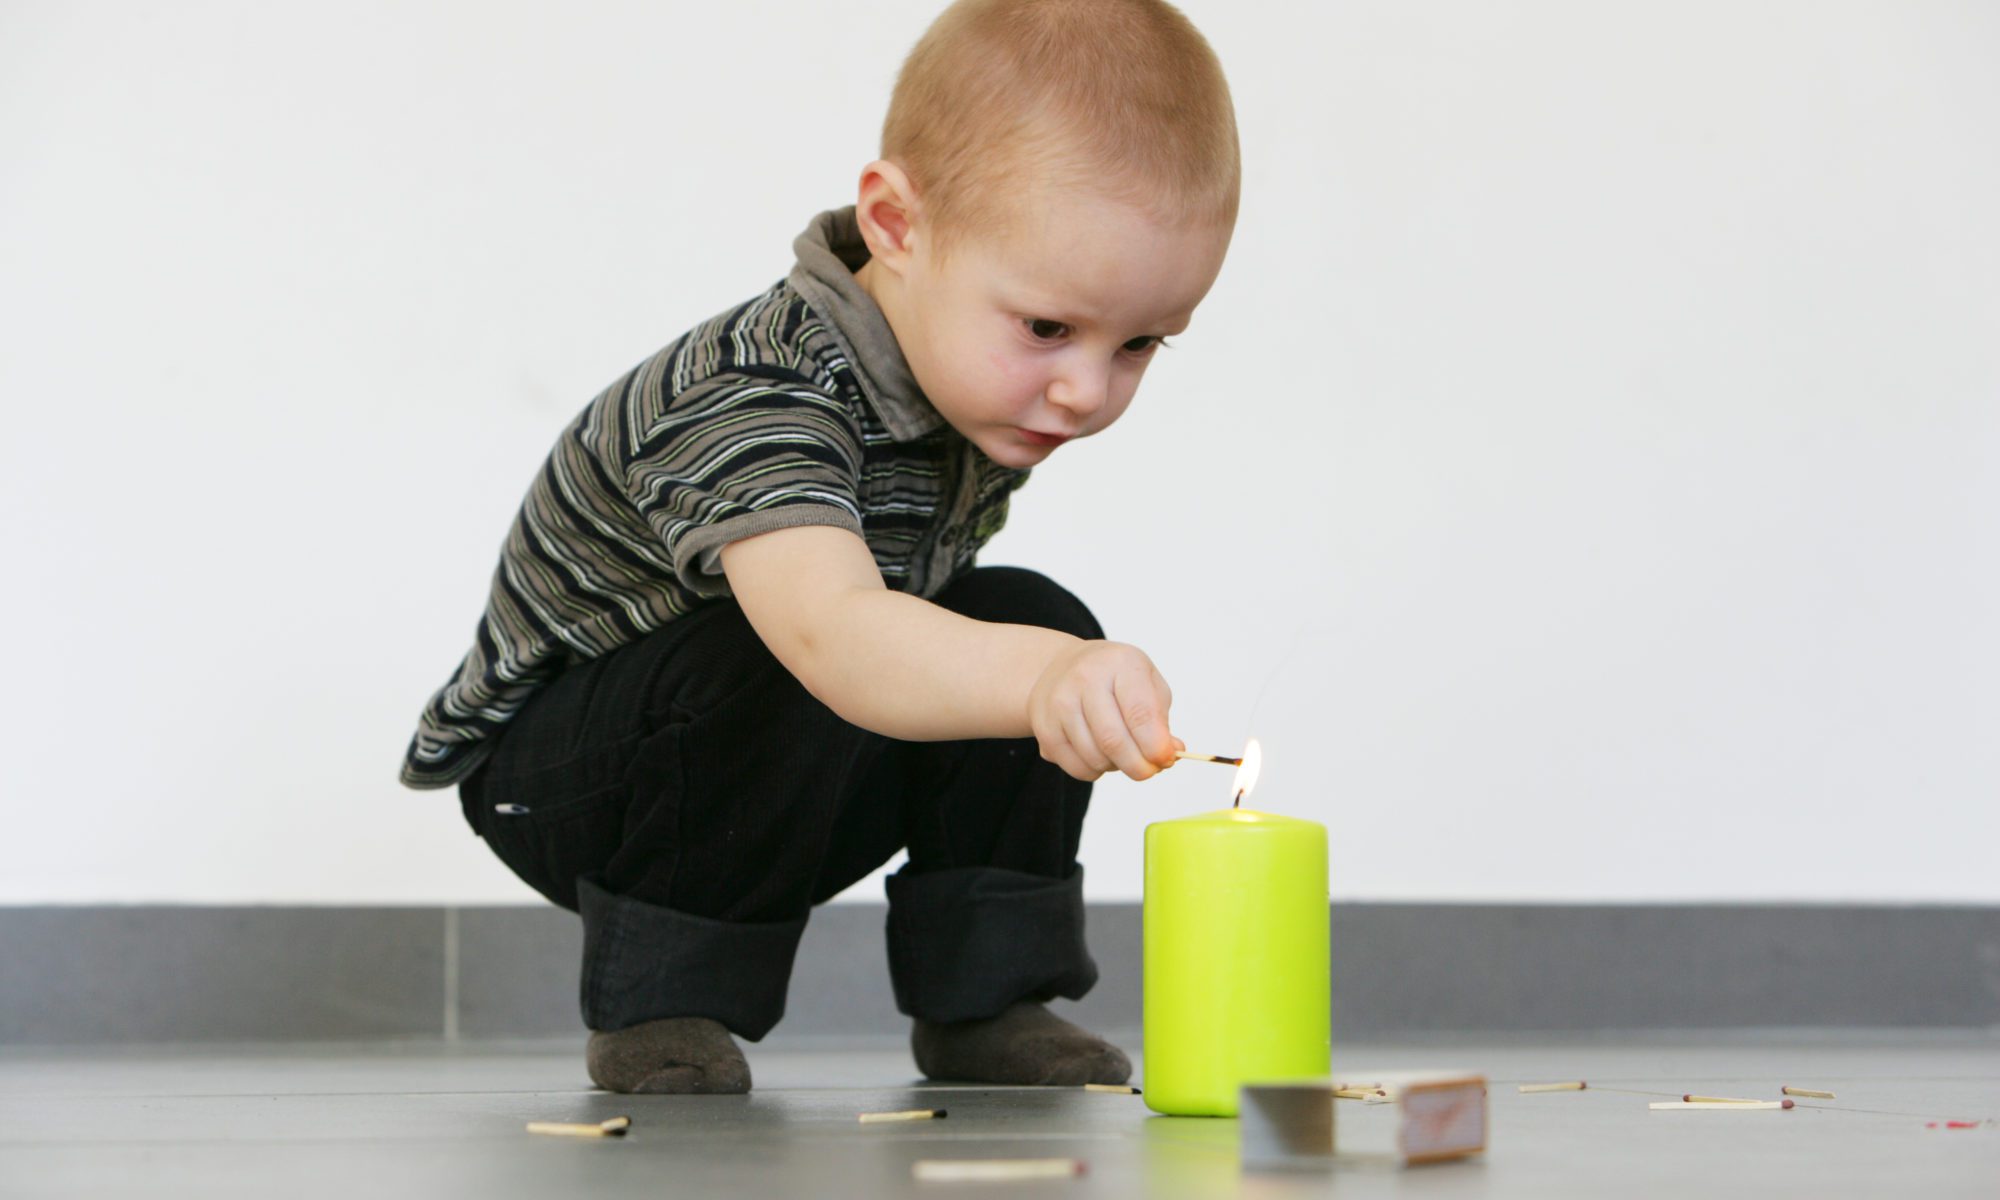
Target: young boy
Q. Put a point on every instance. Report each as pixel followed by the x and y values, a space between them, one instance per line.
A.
pixel 737 654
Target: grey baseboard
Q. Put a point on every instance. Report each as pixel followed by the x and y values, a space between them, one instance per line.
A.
pixel 170 973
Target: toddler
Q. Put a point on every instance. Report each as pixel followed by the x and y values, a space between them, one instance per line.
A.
pixel 737 654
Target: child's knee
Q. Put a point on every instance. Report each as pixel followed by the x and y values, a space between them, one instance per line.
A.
pixel 1020 596
pixel 716 660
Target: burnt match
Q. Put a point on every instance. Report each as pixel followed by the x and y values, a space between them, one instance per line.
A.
pixel 1191 756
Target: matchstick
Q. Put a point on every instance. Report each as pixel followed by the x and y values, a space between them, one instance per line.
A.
pixel 1722 1106
pixel 615 1127
pixel 910 1114
pixel 1816 1095
pixel 1355 1093
pixel 1574 1085
pixel 1119 1088
pixel 994 1170
pixel 1191 756
pixel 1691 1098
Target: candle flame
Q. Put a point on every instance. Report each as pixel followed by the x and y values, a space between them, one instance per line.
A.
pixel 1246 775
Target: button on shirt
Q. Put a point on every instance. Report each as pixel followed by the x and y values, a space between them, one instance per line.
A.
pixel 796 407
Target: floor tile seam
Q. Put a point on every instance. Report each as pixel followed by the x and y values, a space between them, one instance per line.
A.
pixel 1855 1079
pixel 127 1141
pixel 447 1139
pixel 970 1088
pixel 268 1095
pixel 867 1090
pixel 1611 1040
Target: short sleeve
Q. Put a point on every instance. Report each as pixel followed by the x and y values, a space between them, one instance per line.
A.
pixel 732 457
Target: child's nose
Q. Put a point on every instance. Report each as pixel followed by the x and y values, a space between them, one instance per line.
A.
pixel 1082 393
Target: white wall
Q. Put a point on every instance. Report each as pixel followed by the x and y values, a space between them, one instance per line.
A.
pixel 1583 476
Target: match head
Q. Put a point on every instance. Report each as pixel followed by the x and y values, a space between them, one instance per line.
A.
pixel 1787 1103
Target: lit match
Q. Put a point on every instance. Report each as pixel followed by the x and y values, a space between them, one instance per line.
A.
pixel 1246 774
pixel 1191 756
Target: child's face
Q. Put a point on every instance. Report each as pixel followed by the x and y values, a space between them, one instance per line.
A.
pixel 1023 342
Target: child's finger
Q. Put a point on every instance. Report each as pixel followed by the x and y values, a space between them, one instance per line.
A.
pixel 1107 726
pixel 1075 769
pixel 1143 710
pixel 1058 752
pixel 1081 743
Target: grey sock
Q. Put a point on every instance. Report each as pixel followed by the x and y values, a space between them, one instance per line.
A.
pixel 1026 1044
pixel 672 1054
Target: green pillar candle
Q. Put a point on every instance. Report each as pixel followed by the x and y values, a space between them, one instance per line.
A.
pixel 1236 973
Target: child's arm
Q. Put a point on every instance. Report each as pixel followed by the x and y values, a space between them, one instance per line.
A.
pixel 909 669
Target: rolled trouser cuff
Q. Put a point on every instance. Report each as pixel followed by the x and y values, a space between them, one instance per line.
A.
pixel 642 962
pixel 966 942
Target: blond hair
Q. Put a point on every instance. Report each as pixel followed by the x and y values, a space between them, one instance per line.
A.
pixel 1121 97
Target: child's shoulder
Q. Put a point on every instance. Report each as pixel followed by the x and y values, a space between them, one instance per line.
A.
pixel 774 335
pixel 768 354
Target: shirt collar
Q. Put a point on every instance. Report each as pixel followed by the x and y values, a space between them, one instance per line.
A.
pixel 830 251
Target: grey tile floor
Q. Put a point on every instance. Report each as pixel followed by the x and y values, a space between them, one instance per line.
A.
pixel 436 1119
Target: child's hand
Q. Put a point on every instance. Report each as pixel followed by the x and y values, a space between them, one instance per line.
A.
pixel 1102 706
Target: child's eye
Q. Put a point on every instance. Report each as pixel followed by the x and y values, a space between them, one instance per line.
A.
pixel 1048 331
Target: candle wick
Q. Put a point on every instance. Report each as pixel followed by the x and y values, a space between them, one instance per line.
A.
pixel 1238 802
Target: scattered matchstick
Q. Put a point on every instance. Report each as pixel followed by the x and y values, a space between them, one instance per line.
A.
pixel 1808 1092
pixel 1191 756
pixel 1718 1106
pixel 994 1170
pixel 615 1127
pixel 1119 1088
pixel 1358 1093
pixel 908 1114
pixel 1691 1098
pixel 1574 1085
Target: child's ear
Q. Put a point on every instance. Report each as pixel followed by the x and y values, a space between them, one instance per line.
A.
pixel 886 211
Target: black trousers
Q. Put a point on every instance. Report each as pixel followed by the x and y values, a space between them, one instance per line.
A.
pixel 692 802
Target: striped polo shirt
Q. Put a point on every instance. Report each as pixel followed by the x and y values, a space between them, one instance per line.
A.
pixel 794 408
